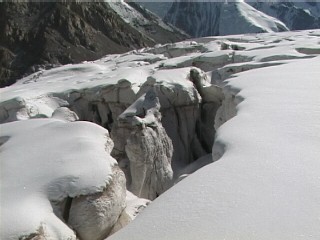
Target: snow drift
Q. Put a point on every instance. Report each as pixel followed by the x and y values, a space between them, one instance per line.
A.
pixel 50 168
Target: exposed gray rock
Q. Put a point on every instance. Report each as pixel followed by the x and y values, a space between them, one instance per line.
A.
pixel 193 18
pixel 297 15
pixel 94 216
pixel 149 149
pixel 134 206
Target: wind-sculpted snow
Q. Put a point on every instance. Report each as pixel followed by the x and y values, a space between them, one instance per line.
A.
pixel 166 109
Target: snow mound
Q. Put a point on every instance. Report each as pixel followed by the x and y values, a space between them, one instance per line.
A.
pixel 43 163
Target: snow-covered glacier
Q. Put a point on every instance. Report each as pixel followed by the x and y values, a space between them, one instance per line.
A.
pixel 243 108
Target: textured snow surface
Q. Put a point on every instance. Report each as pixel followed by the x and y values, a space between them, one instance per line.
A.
pixel 266 184
pixel 44 161
pixel 44 91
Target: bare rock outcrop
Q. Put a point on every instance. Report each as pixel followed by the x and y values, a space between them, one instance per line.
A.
pixel 134 206
pixel 94 216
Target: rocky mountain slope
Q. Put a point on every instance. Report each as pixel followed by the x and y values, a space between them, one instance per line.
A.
pixel 37 35
pixel 200 19
pixel 296 15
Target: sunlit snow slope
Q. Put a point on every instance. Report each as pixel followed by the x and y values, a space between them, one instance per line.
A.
pixel 266 184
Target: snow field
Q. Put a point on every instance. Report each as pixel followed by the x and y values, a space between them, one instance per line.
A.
pixel 264 184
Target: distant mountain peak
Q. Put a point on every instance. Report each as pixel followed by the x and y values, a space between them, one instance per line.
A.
pixel 205 20
pixel 220 18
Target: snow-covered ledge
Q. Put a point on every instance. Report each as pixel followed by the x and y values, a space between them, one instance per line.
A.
pixel 59 177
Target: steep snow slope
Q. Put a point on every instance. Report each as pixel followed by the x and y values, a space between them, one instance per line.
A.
pixel 247 20
pixel 266 183
pixel 199 18
pixel 296 15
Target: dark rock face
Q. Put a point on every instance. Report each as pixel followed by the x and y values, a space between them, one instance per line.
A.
pixel 37 35
pixel 200 19
pixel 195 18
pixel 296 17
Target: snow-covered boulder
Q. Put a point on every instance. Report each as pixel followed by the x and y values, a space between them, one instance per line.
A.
pixel 94 216
pixel 58 177
pixel 64 113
